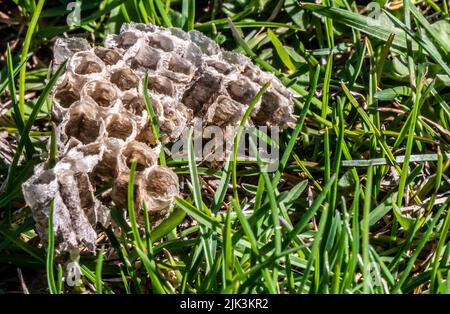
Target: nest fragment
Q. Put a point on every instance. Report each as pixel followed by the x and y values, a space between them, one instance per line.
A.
pixel 104 124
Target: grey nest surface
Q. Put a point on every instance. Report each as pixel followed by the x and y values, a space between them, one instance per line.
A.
pixel 103 123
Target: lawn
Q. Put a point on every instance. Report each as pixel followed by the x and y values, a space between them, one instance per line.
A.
pixel 358 202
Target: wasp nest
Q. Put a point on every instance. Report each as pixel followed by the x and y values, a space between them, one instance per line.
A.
pixel 103 124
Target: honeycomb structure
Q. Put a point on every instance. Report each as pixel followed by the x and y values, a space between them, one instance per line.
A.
pixel 103 124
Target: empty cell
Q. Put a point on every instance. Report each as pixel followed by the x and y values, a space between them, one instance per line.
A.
pixel 269 102
pixel 109 56
pixel 219 66
pixel 205 88
pixel 133 103
pixel 83 123
pixel 103 92
pixel 119 126
pixel 225 111
pixel 160 41
pixel 66 94
pixel 161 85
pixel 180 65
pixel 242 91
pixel 146 57
pixel 161 183
pixel 139 152
pixel 127 39
pixel 125 79
pixel 119 193
pixel 85 63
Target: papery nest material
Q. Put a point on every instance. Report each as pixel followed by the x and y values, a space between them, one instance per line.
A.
pixel 104 125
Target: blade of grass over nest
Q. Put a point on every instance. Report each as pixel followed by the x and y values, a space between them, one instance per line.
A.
pixel 221 191
pixel 51 252
pixel 274 206
pixel 196 186
pixel 238 135
pixel 98 271
pixel 131 206
pixel 206 239
pixel 24 55
pixel 153 119
pixel 53 147
pixel 227 252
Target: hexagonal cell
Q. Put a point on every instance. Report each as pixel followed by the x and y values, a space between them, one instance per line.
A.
pixel 225 111
pixel 180 65
pixel 65 48
pixel 85 62
pixel 146 57
pixel 205 88
pixel 161 85
pixel 83 122
pixel 119 193
pixel 160 184
pixel 242 90
pixel 275 110
pixel 133 103
pixel 103 92
pixel 160 41
pixel 124 78
pixel 126 39
pixel 108 56
pixel 221 67
pixel 106 169
pixel 144 156
pixel 120 126
pixel 66 94
pixel 146 135
pixel 176 117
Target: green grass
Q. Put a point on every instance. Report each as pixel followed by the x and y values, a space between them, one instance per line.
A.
pixel 358 204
